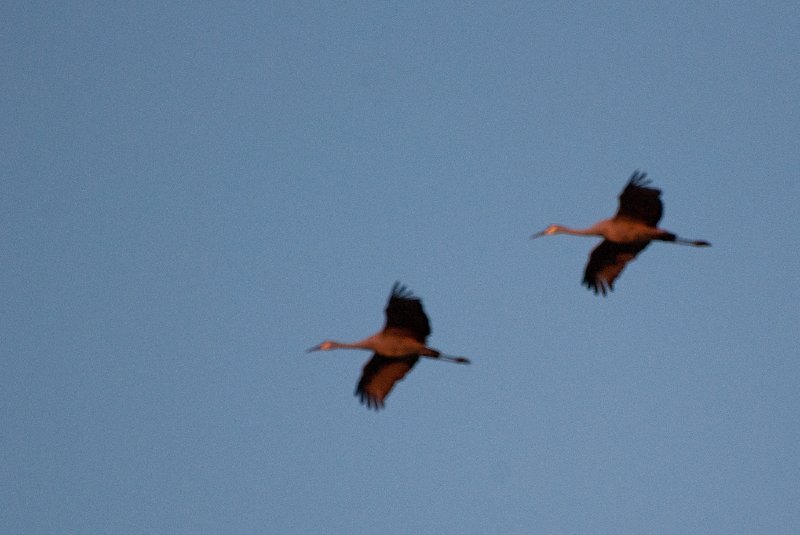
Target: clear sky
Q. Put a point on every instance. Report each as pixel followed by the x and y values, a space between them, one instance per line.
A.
pixel 194 193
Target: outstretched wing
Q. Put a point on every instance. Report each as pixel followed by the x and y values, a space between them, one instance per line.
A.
pixel 607 261
pixel 379 376
pixel 404 311
pixel 639 202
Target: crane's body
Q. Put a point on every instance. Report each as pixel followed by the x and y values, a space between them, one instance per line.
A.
pixel 396 348
pixel 625 235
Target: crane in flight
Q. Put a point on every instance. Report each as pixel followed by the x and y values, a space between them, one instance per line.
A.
pixel 396 348
pixel 625 235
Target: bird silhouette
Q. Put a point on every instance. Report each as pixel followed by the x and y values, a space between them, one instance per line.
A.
pixel 626 234
pixel 396 348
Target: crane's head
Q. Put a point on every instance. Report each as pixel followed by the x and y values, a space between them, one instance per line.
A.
pixel 327 345
pixel 552 229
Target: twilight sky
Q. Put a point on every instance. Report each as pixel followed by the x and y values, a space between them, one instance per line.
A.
pixel 193 193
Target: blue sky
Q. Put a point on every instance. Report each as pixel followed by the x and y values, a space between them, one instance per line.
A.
pixel 194 193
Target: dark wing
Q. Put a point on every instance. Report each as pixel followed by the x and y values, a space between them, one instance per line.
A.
pixel 606 263
pixel 404 311
pixel 379 376
pixel 639 202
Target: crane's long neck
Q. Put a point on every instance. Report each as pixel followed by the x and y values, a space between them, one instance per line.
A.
pixel 594 230
pixel 349 345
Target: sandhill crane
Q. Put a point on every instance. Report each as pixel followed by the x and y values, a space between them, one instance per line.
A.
pixel 396 348
pixel 626 234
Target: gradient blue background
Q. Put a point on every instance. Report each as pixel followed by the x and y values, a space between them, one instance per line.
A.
pixel 194 193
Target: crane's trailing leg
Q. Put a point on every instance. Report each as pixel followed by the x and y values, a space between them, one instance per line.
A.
pixel 693 243
pixel 449 358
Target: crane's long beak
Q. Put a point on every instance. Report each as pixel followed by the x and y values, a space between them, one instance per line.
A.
pixel 539 234
pixel 315 348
